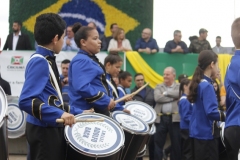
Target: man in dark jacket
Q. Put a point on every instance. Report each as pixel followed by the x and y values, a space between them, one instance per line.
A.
pixel 146 96
pixel 17 40
pixel 5 86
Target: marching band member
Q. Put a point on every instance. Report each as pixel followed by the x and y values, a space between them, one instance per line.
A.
pixel 205 108
pixel 232 86
pixel 113 63
pixel 40 95
pixel 125 81
pixel 185 111
pixel 88 87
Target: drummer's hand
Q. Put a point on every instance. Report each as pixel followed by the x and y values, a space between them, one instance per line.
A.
pixel 111 104
pixel 126 111
pixel 129 98
pixel 69 119
pixel 89 111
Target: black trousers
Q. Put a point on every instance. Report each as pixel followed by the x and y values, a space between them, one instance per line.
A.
pixel 232 142
pixel 205 149
pixel 166 125
pixel 46 143
pixel 186 145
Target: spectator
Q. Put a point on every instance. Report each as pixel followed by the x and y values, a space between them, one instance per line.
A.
pixel 191 38
pixel 176 45
pixel 181 77
pixel 119 43
pixel 5 86
pixel 113 28
pixel 17 40
pixel 68 41
pixel 218 48
pixel 101 36
pixel 166 97
pixel 200 44
pixel 223 98
pixel 147 43
pixel 146 96
pixel 64 79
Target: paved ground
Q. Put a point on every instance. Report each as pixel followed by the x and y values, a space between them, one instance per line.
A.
pixel 23 157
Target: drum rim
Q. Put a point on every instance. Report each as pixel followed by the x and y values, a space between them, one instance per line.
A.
pixel 4 102
pixel 129 130
pixel 152 120
pixel 154 131
pixel 21 127
pixel 121 146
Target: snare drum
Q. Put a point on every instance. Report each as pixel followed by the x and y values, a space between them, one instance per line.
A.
pixel 94 140
pixel 142 111
pixel 16 118
pixel 135 131
pixel 3 126
pixel 143 152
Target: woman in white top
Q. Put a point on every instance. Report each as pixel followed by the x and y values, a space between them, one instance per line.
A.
pixel 119 43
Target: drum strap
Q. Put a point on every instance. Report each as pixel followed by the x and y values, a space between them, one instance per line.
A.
pixel 121 89
pixel 53 77
pixel 167 114
pixel 113 88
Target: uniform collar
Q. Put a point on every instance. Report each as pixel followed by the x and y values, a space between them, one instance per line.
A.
pixel 208 79
pixel 44 51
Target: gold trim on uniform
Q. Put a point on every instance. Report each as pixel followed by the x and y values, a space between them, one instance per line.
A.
pixel 32 108
pixel 95 98
pixel 40 113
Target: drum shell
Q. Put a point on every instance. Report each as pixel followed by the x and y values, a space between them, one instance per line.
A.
pixel 3 139
pixel 74 154
pixel 131 142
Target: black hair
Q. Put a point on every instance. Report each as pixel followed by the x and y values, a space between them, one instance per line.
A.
pixel 111 26
pixel 80 32
pixel 18 22
pixel 181 77
pixel 218 37
pixel 47 26
pixel 217 92
pixel 138 74
pixel 191 38
pixel 184 81
pixel 112 59
pixel 65 61
pixel 205 58
pixel 123 75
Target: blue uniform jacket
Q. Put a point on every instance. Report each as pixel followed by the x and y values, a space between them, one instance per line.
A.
pixel 121 93
pixel 39 97
pixel 205 111
pixel 86 89
pixel 118 106
pixel 185 111
pixel 232 84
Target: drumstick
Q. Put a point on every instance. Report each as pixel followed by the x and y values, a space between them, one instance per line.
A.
pixel 83 120
pixel 132 94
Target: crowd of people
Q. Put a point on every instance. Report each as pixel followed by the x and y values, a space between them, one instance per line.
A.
pixel 190 111
pixel 117 42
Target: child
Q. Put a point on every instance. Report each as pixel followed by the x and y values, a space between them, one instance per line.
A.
pixel 125 81
pixel 87 77
pixel 185 111
pixel 113 63
pixel 232 86
pixel 41 97
pixel 205 108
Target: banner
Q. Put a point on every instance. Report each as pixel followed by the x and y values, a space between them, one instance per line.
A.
pixel 13 65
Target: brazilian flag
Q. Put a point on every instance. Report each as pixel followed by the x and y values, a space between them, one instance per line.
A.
pixel 131 15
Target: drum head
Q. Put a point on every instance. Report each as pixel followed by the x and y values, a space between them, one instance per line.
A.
pixel 3 104
pixel 95 139
pixel 16 121
pixel 131 123
pixel 142 111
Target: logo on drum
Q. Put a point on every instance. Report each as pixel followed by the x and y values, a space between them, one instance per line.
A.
pixel 17 60
pixel 16 64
